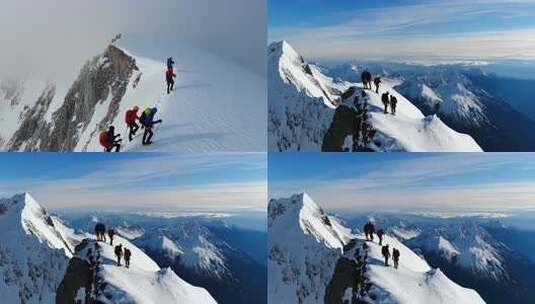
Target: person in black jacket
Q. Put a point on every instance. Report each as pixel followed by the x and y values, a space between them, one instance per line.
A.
pixel 393 103
pixel 119 253
pixel 395 257
pixel 112 139
pixel 127 255
pixel 385 100
pixel 386 253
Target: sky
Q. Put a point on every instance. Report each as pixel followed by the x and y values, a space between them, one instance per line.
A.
pixel 406 29
pixel 407 181
pixel 55 37
pixel 138 182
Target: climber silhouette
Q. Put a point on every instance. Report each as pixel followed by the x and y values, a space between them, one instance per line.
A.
pixel 385 251
pixel 395 256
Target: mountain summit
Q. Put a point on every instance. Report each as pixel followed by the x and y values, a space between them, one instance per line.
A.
pixel 315 259
pixel 306 108
pixel 44 261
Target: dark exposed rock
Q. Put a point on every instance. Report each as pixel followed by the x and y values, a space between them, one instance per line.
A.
pixel 34 129
pixel 102 81
pixel 104 78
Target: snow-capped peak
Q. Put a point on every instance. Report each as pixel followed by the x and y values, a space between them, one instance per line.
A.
pixel 315 259
pixel 192 245
pixel 38 252
pixel 23 211
pixel 303 104
pixel 467 245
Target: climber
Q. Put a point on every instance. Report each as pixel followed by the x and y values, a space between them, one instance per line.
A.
pixel 393 103
pixel 386 254
pixel 170 63
pixel 100 229
pixel 367 231
pixel 377 82
pixel 170 79
pixel 119 253
pixel 148 122
pixel 364 79
pixel 111 233
pixel 372 231
pixel 130 119
pixel 380 234
pixel 384 99
pixel 108 139
pixel 367 79
pixel 395 257
pixel 127 255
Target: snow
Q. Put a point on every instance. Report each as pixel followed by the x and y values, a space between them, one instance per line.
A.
pixel 409 130
pixel 34 251
pixel 144 281
pixel 302 258
pixel 471 246
pixel 301 107
pixel 216 106
pixel 193 244
pixel 36 248
pixel 428 93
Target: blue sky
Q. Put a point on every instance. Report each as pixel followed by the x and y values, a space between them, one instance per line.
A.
pixel 211 182
pixel 400 181
pixel 406 29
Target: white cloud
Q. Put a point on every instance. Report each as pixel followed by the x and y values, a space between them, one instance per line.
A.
pixel 154 182
pixel 423 182
pixel 401 32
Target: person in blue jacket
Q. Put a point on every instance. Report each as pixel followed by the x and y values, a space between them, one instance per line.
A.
pixel 147 119
pixel 170 63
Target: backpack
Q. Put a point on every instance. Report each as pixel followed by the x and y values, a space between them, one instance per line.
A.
pixel 128 117
pixel 103 138
pixel 145 115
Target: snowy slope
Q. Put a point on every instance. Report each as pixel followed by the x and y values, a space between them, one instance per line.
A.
pixel 34 251
pixel 193 244
pixel 466 245
pixel 37 251
pixel 216 105
pixel 302 101
pixel 143 281
pixel 448 94
pixel 308 250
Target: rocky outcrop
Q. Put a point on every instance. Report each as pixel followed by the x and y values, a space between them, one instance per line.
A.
pixel 79 280
pixel 34 129
pixel 102 82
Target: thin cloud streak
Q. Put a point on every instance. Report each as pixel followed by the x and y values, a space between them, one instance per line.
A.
pixel 423 183
pixel 393 32
pixel 168 182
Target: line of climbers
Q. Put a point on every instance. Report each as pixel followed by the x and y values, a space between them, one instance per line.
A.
pixel 100 232
pixel 109 140
pixel 369 231
pixel 367 81
pixel 387 101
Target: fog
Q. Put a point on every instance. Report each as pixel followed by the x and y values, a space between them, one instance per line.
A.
pixel 55 37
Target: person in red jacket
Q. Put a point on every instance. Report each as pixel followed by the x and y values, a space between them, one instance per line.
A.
pixel 109 140
pixel 170 78
pixel 130 119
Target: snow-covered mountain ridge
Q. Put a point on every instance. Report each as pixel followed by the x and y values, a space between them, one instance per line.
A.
pixel 38 252
pixel 314 259
pixel 303 104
